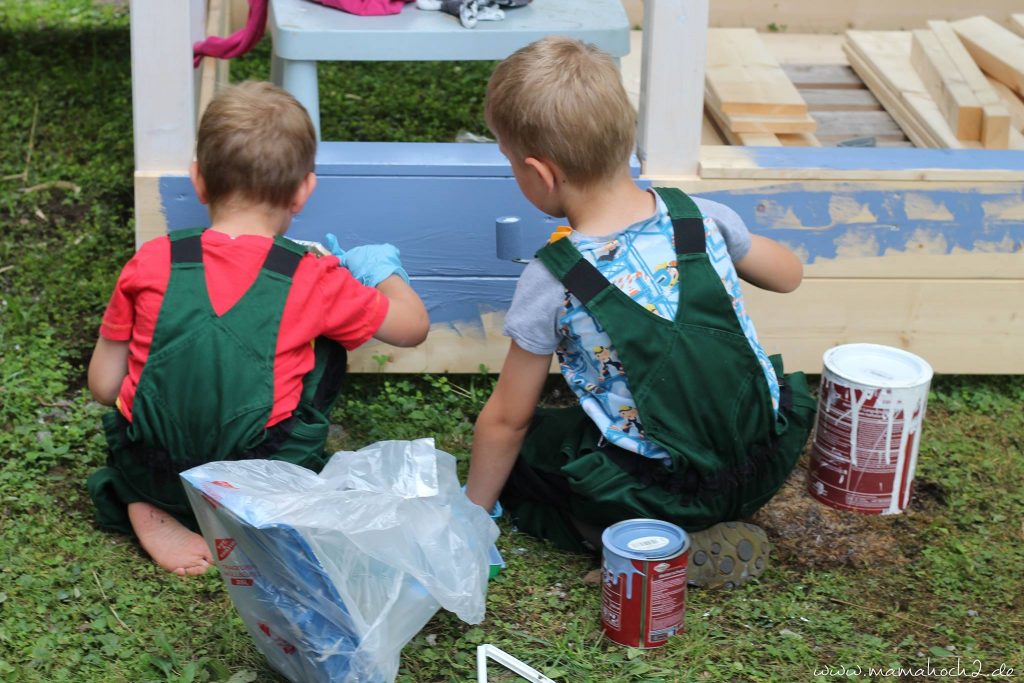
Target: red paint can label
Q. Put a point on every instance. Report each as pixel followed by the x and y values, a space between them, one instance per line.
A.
pixel 643 602
pixel 868 430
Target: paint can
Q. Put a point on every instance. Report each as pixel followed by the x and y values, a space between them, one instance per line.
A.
pixel 868 430
pixel 643 602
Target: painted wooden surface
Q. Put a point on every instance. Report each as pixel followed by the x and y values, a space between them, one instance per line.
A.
pixel 670 119
pixel 920 249
pixel 163 84
pixel 303 30
pixel 932 267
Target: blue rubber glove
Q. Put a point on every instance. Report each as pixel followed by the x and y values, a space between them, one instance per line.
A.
pixel 496 512
pixel 371 264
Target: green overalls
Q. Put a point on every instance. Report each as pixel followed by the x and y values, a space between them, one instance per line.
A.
pixel 701 394
pixel 207 389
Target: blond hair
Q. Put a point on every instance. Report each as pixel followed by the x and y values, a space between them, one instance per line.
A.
pixel 255 143
pixel 562 100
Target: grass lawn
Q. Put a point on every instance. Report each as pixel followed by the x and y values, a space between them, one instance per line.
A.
pixel 941 582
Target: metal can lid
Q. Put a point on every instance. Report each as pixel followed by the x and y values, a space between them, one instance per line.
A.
pixel 875 365
pixel 645 539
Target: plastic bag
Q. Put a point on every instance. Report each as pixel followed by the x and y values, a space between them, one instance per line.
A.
pixel 334 573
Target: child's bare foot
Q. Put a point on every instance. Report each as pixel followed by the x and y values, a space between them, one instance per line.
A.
pixel 171 545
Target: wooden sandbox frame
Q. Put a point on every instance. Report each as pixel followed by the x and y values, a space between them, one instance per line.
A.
pixel 915 248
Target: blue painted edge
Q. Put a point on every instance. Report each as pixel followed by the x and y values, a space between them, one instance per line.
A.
pixel 886 158
pixel 419 159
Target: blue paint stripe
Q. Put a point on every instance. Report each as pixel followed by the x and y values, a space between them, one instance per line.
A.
pixel 417 159
pixel 886 159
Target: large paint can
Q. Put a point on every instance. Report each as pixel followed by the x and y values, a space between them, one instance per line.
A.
pixel 643 602
pixel 868 430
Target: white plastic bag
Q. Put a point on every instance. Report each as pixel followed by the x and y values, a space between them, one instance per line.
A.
pixel 334 573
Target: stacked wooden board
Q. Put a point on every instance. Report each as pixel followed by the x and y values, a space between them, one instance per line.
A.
pixel 932 83
pixel 749 96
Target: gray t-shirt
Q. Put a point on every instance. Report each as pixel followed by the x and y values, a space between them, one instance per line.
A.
pixel 532 318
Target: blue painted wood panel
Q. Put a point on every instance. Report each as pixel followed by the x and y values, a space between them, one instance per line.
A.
pixel 307 31
pixel 818 223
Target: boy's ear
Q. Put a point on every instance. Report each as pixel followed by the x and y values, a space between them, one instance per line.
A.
pixel 548 173
pixel 302 194
pixel 198 183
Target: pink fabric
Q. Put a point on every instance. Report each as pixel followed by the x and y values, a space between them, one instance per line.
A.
pixel 237 44
pixel 366 7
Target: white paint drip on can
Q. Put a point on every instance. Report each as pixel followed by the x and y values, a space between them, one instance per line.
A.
pixel 872 398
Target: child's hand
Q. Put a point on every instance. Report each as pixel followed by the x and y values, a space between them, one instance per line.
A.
pixel 371 264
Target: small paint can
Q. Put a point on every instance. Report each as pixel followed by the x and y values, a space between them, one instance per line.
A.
pixel 643 602
pixel 868 430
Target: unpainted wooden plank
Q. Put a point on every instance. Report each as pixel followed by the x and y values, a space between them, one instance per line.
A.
pixel 805 48
pixel 1017 24
pixel 737 163
pixel 744 78
pixel 937 319
pixel 995 125
pixel 1013 104
pixel 895 106
pixel 740 139
pixel 832 16
pixel 709 135
pixel 836 126
pixel 947 86
pixel 213 73
pixel 834 99
pixel 799 140
pixel 997 50
pixel 1016 140
pixel 760 123
pixel 822 76
pixel 887 54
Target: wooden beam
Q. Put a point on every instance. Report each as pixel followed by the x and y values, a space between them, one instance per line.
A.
pixel 738 163
pixel 798 140
pixel 947 86
pixel 997 50
pixel 709 134
pixel 734 138
pixel 887 55
pixel 805 48
pixel 742 76
pixel 893 104
pixel 995 126
pixel 822 16
pixel 213 73
pixel 823 75
pixel 675 48
pixel 1013 104
pixel 1017 24
pixel 163 85
pixel 835 126
pixel 764 123
pixel 834 99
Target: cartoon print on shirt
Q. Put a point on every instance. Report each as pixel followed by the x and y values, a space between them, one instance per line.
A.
pixel 666 274
pixel 604 357
pixel 630 420
pixel 608 251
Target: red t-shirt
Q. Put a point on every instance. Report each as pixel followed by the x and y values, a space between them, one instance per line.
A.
pixel 324 299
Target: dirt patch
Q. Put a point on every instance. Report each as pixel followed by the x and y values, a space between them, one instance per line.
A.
pixel 811 535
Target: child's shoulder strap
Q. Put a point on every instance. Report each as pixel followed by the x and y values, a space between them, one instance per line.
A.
pixel 687 220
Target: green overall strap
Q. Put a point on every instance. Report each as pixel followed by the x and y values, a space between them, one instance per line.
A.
pixel 207 388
